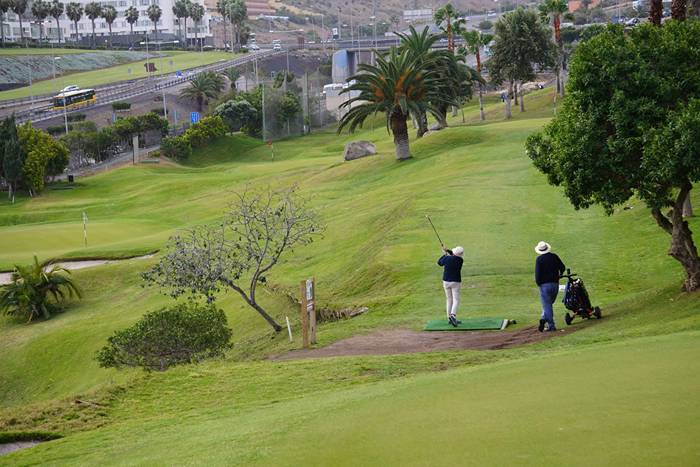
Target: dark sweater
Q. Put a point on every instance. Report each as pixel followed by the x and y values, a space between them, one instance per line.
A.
pixel 548 268
pixel 453 268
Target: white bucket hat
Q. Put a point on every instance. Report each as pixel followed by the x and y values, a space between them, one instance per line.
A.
pixel 458 251
pixel 542 248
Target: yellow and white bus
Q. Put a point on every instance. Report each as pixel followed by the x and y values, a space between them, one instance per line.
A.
pixel 74 99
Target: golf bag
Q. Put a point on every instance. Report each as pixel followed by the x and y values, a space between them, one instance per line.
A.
pixel 576 299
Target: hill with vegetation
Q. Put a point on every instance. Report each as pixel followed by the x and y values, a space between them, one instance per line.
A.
pixel 625 384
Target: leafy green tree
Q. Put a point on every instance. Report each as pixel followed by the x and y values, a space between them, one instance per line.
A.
pixel 400 85
pixel 554 9
pixel 204 86
pixel 196 13
pixel 475 41
pixel 175 335
pixel 154 13
pixel 109 13
pixel 35 292
pixel 289 107
pixel 93 10
pixel 521 41
pixel 19 7
pixel 630 126
pixel 237 114
pixel 485 25
pixel 253 126
pixel 40 148
pixel 176 148
pixel 74 11
pixel 56 10
pixel 132 16
pixel 40 10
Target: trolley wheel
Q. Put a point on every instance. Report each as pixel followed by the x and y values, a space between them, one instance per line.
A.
pixel 597 313
pixel 568 318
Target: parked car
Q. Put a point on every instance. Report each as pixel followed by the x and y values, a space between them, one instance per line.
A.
pixel 70 88
pixel 254 47
pixel 632 21
pixel 277 47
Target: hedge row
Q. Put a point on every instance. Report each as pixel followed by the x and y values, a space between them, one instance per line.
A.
pixel 196 136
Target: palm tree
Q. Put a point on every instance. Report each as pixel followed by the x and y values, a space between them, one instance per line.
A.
pixel 554 9
pixel 222 6
pixel 132 15
pixel 56 10
pixel 238 12
pixel 40 10
pixel 34 291
pixel 475 41
pixel 180 11
pixel 204 86
pixel 400 86
pixel 93 10
pixel 109 13
pixel 450 17
pixel 19 7
pixel 154 13
pixel 196 13
pixel 4 7
pixel 74 11
pixel 232 74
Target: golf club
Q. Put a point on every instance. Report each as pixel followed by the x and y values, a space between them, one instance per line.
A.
pixel 435 230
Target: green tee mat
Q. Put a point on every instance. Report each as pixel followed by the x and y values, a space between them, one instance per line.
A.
pixel 468 324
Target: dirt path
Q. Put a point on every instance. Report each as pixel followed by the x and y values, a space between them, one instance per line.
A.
pixel 399 341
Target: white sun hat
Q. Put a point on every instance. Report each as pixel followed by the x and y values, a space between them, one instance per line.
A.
pixel 458 251
pixel 542 248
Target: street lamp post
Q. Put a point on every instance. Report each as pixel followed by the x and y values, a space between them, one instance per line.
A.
pixel 63 83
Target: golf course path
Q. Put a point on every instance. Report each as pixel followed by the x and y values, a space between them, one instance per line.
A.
pixel 399 341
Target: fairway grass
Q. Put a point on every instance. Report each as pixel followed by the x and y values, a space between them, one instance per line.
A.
pixel 618 391
pixel 134 70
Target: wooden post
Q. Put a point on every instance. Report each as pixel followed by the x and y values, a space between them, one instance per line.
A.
pixel 308 312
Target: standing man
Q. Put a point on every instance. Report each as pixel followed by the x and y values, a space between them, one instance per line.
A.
pixel 548 270
pixel 451 262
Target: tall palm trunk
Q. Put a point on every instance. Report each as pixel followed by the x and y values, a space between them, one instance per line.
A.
pixel 2 28
pixel 226 35
pixel 522 98
pixel 110 34
pixel 21 29
pixel 481 87
pixel 400 131
pixel 76 31
pixel 509 113
pixel 515 93
pixel 93 33
pixel 421 125
pixel 58 28
pixel 185 25
pixel 678 10
pixel 656 9
pixel 179 27
pixel 195 35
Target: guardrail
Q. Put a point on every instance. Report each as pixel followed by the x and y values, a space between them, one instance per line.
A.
pixel 145 86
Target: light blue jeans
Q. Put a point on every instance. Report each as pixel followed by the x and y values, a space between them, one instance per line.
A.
pixel 548 295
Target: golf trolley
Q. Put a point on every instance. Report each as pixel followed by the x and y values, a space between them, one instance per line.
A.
pixel 576 299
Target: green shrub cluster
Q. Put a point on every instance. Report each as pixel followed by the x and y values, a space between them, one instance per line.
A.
pixel 121 105
pixel 76 117
pixel 196 136
pixel 183 333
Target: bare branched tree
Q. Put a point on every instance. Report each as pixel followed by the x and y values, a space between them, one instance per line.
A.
pixel 239 251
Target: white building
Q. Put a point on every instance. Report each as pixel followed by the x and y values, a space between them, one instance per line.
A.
pixel 166 24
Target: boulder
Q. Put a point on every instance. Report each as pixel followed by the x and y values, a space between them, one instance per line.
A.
pixel 357 149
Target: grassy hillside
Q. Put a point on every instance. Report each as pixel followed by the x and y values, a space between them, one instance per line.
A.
pixel 134 70
pixel 608 383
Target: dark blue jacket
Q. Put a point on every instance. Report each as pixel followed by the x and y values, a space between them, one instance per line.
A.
pixel 453 268
pixel 548 268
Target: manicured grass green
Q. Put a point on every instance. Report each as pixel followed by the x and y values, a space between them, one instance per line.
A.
pixel 181 61
pixel 624 385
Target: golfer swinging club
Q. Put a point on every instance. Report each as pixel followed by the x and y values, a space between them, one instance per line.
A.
pixel 451 261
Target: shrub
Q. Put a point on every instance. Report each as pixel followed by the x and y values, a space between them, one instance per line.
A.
pixel 158 111
pixel 76 117
pixel 121 105
pixel 183 333
pixel 176 147
pixel 56 130
pixel 237 114
pixel 205 130
pixel 485 25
